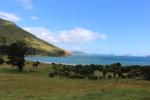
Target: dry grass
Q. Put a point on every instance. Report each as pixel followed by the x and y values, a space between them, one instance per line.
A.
pixel 30 85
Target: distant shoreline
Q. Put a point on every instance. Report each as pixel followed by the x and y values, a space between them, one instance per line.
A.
pixel 84 64
pixel 88 60
pixel 57 63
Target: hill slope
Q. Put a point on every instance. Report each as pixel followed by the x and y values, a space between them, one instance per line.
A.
pixel 12 33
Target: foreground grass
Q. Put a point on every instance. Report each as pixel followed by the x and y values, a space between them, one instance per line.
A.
pixel 37 85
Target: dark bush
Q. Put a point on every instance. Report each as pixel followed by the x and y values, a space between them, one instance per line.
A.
pixel 77 76
pixel 109 77
pixel 1 61
pixel 123 76
pixel 129 75
pixel 92 78
pixel 147 76
pixel 52 74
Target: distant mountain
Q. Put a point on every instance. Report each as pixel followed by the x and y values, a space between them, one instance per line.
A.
pixel 13 33
pixel 101 54
pixel 78 53
pixel 148 56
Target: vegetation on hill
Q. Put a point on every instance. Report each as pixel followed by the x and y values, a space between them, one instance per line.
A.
pixel 11 33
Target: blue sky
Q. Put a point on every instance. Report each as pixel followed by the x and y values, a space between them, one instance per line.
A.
pixel 120 27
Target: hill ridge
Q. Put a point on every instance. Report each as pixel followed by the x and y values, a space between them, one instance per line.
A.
pixel 13 33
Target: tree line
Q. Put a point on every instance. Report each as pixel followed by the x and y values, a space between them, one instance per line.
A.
pixel 94 72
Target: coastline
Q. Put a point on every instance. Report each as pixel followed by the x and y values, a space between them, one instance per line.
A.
pixel 88 60
pixel 44 62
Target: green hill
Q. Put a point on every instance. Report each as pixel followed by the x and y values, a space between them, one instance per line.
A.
pixel 12 33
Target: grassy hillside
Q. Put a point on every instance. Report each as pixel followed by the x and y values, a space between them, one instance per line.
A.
pixel 37 85
pixel 12 33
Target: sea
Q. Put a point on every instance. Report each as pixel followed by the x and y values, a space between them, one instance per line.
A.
pixel 92 59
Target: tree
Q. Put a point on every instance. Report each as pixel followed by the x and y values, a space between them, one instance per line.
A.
pixel 35 65
pixel 105 71
pixel 16 53
pixel 116 69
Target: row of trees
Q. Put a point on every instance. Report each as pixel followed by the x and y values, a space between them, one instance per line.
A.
pixel 15 52
pixel 100 71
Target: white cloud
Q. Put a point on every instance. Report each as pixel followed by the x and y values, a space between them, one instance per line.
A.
pixel 34 18
pixel 27 4
pixel 42 33
pixel 74 36
pixel 79 35
pixel 9 16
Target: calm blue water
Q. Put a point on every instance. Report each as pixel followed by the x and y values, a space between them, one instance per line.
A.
pixel 92 59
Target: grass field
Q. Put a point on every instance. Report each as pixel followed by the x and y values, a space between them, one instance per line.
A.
pixel 30 85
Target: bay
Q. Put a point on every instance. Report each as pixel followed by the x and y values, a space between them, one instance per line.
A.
pixel 92 59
